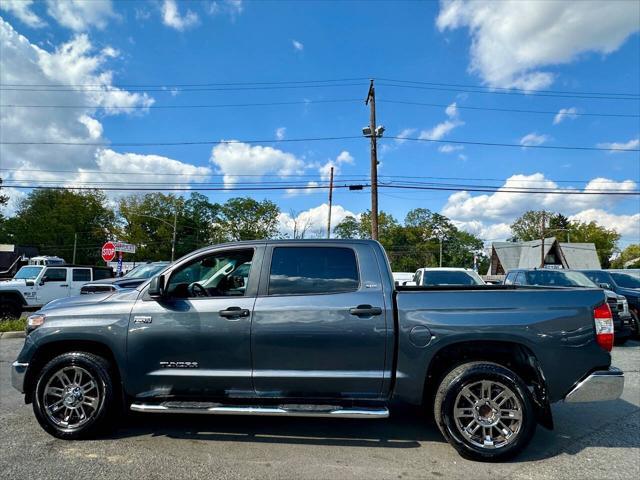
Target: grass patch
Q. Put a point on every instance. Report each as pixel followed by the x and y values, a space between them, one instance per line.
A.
pixel 13 325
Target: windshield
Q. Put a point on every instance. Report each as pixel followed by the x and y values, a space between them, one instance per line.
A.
pixel 626 281
pixel 445 277
pixel 28 273
pixel 558 279
pixel 145 271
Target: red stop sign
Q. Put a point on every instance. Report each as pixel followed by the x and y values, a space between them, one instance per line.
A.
pixel 108 251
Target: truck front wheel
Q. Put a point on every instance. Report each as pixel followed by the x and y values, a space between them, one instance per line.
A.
pixel 74 396
pixel 9 310
pixel 485 411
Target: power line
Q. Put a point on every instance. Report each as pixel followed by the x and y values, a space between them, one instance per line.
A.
pixel 152 107
pixel 177 85
pixel 514 90
pixel 110 89
pixel 517 145
pixel 460 90
pixel 169 86
pixel 514 110
pixel 470 188
pixel 310 176
pixel 318 139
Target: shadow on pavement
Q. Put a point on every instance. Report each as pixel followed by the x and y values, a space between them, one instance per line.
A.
pixel 575 430
pixel 401 431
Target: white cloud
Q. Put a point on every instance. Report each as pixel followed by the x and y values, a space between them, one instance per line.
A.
pixel 280 132
pixel 313 221
pixel 450 148
pixel 563 113
pixel 73 63
pixel 21 9
pixel 632 144
pixel 511 41
pixel 533 139
pixel 401 137
pixel 298 46
pixel 625 225
pixel 79 15
pixel 171 16
pixel 341 159
pixel 231 7
pixel 235 160
pixel 94 127
pixel 503 206
pixel 489 215
pixel 443 128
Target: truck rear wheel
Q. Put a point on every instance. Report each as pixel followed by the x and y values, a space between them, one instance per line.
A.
pixel 485 411
pixel 74 396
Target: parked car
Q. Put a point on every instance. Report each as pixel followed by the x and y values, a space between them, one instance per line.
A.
pixel 35 285
pixel 425 277
pixel 634 272
pixel 132 279
pixel 622 284
pixel 317 328
pixel 622 320
pixel 401 278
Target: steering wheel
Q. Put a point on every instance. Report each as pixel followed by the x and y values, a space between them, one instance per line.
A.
pixel 197 290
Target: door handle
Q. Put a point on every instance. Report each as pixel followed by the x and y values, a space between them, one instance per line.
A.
pixel 365 311
pixel 64 285
pixel 234 312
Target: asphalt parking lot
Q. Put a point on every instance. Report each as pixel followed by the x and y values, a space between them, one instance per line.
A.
pixel 595 441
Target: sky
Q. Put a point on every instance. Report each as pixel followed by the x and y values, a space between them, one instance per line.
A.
pixel 266 74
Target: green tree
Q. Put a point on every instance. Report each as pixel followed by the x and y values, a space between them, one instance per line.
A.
pixel 248 219
pixel 604 239
pixel 527 227
pixel 50 219
pixel 630 255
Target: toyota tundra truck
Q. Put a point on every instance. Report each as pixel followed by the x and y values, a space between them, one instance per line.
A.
pixel 318 329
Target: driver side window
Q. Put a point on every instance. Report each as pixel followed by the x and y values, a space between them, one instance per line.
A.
pixel 221 274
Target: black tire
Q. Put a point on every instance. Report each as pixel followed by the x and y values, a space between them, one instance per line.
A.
pixel 469 375
pixel 97 369
pixel 10 310
pixel 636 324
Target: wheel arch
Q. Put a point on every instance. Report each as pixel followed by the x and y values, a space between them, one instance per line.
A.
pixel 513 355
pixel 13 296
pixel 50 350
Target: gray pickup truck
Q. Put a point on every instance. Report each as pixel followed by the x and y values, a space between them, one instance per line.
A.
pixel 318 329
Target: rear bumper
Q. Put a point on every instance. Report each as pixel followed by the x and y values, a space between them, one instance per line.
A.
pixel 600 386
pixel 18 371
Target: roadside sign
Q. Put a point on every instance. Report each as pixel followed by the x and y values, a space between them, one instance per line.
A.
pixel 125 247
pixel 108 251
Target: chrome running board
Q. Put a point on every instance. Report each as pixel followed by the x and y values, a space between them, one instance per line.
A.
pixel 284 410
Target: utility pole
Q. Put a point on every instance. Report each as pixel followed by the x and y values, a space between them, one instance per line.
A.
pixel 441 251
pixel 330 203
pixel 75 243
pixel 371 101
pixel 173 242
pixel 542 222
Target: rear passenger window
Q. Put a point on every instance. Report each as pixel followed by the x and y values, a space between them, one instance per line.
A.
pixel 81 275
pixel 312 270
pixel 102 273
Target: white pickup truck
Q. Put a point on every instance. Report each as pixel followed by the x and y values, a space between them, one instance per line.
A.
pixel 36 285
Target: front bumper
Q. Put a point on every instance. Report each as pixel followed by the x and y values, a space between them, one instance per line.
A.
pixel 600 386
pixel 18 371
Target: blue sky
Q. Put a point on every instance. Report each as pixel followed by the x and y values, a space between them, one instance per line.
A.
pixel 552 46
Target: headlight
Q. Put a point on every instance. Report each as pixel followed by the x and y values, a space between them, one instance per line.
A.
pixel 34 321
pixel 625 306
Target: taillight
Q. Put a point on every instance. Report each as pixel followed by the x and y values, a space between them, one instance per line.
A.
pixel 603 319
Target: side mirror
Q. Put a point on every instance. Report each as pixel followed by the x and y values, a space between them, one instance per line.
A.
pixel 156 287
pixel 604 285
pixel 43 280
